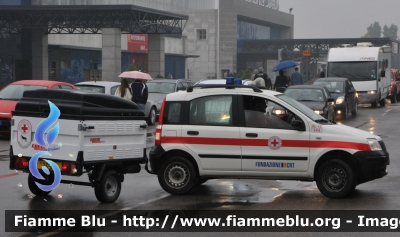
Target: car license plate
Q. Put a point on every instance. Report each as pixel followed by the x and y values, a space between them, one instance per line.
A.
pixel 43 163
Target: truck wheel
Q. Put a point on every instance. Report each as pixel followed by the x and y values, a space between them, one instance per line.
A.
pixel 374 104
pixel 34 188
pixel 335 179
pixel 398 96
pixel 109 188
pixel 151 119
pixel 382 102
pixel 177 175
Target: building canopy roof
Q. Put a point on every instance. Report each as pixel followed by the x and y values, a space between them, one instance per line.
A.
pixel 68 19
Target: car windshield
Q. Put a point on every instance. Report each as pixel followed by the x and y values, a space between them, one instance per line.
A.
pixel 95 88
pixel 305 94
pixel 300 107
pixel 332 86
pixel 355 71
pixel 15 92
pixel 161 87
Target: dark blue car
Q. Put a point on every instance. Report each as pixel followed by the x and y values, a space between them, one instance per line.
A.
pixel 342 90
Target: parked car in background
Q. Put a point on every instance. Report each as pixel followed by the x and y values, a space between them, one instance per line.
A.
pixel 159 88
pixel 394 93
pixel 11 94
pixel 316 98
pixel 109 87
pixel 342 90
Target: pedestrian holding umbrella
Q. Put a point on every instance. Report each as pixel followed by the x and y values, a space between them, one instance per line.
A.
pixel 138 87
pixel 285 65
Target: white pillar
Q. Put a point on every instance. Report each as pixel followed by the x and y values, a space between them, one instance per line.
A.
pixel 156 55
pixel 111 54
pixel 40 60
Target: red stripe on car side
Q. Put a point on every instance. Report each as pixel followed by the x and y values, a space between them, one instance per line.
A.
pixel 264 142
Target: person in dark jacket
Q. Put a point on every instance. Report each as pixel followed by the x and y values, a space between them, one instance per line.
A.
pixel 264 75
pixel 281 82
pixel 140 93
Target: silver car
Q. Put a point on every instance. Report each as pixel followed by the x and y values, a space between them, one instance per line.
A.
pixel 159 88
pixel 109 87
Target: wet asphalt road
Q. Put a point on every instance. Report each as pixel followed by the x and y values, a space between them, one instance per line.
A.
pixel 142 192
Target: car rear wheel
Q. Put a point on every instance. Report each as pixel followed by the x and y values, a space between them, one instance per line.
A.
pixel 151 119
pixel 374 104
pixel 177 175
pixel 335 179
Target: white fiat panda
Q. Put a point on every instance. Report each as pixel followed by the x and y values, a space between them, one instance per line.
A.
pixel 233 131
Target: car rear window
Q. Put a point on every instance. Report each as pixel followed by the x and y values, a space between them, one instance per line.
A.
pixel 100 89
pixel 173 113
pixel 15 92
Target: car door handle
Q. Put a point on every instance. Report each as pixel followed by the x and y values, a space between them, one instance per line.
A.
pixel 192 133
pixel 251 135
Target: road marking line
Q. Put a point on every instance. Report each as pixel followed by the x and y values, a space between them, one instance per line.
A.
pixel 8 175
pixel 383 114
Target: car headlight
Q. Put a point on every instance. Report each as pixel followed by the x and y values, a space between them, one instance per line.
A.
pixel 371 92
pixel 319 111
pixel 339 100
pixel 278 111
pixel 374 144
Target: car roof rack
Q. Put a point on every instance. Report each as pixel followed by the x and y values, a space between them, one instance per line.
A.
pixel 226 86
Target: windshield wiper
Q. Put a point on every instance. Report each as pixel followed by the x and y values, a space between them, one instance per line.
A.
pixel 363 76
pixel 349 74
pixel 335 74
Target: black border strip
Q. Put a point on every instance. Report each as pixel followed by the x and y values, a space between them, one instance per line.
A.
pixel 220 156
pixel 274 158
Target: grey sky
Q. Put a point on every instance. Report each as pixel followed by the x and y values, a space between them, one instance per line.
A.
pixel 339 18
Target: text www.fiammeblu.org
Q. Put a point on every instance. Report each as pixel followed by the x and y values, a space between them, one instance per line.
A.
pixel 233 221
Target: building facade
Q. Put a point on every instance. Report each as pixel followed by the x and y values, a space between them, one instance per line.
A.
pixel 207 47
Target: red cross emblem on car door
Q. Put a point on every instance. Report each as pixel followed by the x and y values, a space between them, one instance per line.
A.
pixel 275 143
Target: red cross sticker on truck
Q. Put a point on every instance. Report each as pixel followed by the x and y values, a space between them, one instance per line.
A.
pixel 275 143
pixel 24 134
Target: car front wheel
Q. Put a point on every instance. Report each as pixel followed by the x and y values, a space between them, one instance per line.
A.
pixel 355 111
pixel 335 179
pixel 151 119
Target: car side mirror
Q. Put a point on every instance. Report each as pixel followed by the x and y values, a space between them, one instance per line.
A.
pixel 298 125
pixel 383 74
pixel 330 100
pixel 351 91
